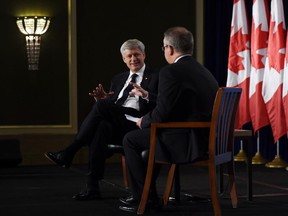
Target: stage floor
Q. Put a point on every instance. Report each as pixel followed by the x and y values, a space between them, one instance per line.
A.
pixel 48 191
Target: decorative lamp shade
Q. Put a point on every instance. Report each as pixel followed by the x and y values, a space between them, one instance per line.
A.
pixel 33 25
pixel 33 28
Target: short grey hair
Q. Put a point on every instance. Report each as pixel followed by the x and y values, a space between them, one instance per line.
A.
pixel 180 38
pixel 132 44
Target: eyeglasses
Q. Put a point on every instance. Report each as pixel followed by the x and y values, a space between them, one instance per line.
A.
pixel 164 47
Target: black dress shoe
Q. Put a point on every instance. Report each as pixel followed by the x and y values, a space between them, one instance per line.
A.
pixel 88 195
pixel 61 158
pixel 150 207
pixel 132 209
pixel 129 200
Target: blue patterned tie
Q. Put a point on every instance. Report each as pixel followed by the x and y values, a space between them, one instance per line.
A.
pixel 126 91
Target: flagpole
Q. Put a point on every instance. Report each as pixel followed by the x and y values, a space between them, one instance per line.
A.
pixel 277 162
pixel 241 156
pixel 258 158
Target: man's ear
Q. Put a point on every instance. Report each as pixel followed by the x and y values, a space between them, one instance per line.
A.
pixel 171 50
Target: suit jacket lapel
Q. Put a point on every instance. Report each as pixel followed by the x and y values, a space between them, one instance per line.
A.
pixel 146 78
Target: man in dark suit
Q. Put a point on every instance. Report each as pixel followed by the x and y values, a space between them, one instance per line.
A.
pixel 112 116
pixel 186 93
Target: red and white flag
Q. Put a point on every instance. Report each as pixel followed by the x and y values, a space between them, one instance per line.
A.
pixel 285 85
pixel 274 68
pixel 259 43
pixel 239 65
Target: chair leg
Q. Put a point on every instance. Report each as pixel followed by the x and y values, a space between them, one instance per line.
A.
pixel 214 191
pixel 149 172
pixel 177 187
pixel 125 173
pixel 169 184
pixel 146 191
pixel 232 185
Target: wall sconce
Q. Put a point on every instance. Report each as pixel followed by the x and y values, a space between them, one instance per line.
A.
pixel 33 27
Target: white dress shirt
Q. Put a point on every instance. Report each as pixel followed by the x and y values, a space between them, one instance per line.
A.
pixel 133 100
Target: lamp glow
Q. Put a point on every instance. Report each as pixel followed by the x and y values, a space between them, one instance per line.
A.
pixel 33 28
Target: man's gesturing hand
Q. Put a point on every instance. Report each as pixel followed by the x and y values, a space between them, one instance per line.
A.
pixel 138 90
pixel 99 93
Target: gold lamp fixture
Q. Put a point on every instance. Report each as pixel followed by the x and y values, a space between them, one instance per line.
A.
pixel 33 27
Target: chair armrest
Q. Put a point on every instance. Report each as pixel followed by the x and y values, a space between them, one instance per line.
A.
pixel 181 125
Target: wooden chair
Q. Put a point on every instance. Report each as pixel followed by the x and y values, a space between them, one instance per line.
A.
pixel 221 145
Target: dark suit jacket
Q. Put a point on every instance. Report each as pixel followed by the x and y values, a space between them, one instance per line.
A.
pixel 186 93
pixel 149 83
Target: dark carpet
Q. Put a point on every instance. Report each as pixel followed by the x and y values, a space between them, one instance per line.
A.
pixel 48 190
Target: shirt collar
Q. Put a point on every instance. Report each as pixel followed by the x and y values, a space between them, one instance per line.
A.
pixel 181 57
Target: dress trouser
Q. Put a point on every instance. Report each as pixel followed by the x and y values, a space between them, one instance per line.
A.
pixel 106 123
pixel 134 143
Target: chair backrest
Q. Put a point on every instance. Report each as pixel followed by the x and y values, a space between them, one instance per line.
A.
pixel 221 139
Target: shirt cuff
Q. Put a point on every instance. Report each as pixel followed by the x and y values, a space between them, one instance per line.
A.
pixel 147 97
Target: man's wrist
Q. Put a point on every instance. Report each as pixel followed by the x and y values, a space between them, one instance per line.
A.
pixel 146 97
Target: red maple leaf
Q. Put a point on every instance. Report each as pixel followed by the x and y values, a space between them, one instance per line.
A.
pixel 258 41
pixel 238 43
pixel 276 43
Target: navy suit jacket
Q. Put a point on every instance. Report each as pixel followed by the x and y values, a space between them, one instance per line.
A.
pixel 149 83
pixel 186 93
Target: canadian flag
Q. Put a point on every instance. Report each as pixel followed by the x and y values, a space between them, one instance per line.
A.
pixel 274 68
pixel 239 60
pixel 285 85
pixel 259 43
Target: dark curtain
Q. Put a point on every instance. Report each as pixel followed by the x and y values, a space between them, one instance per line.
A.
pixel 217 23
